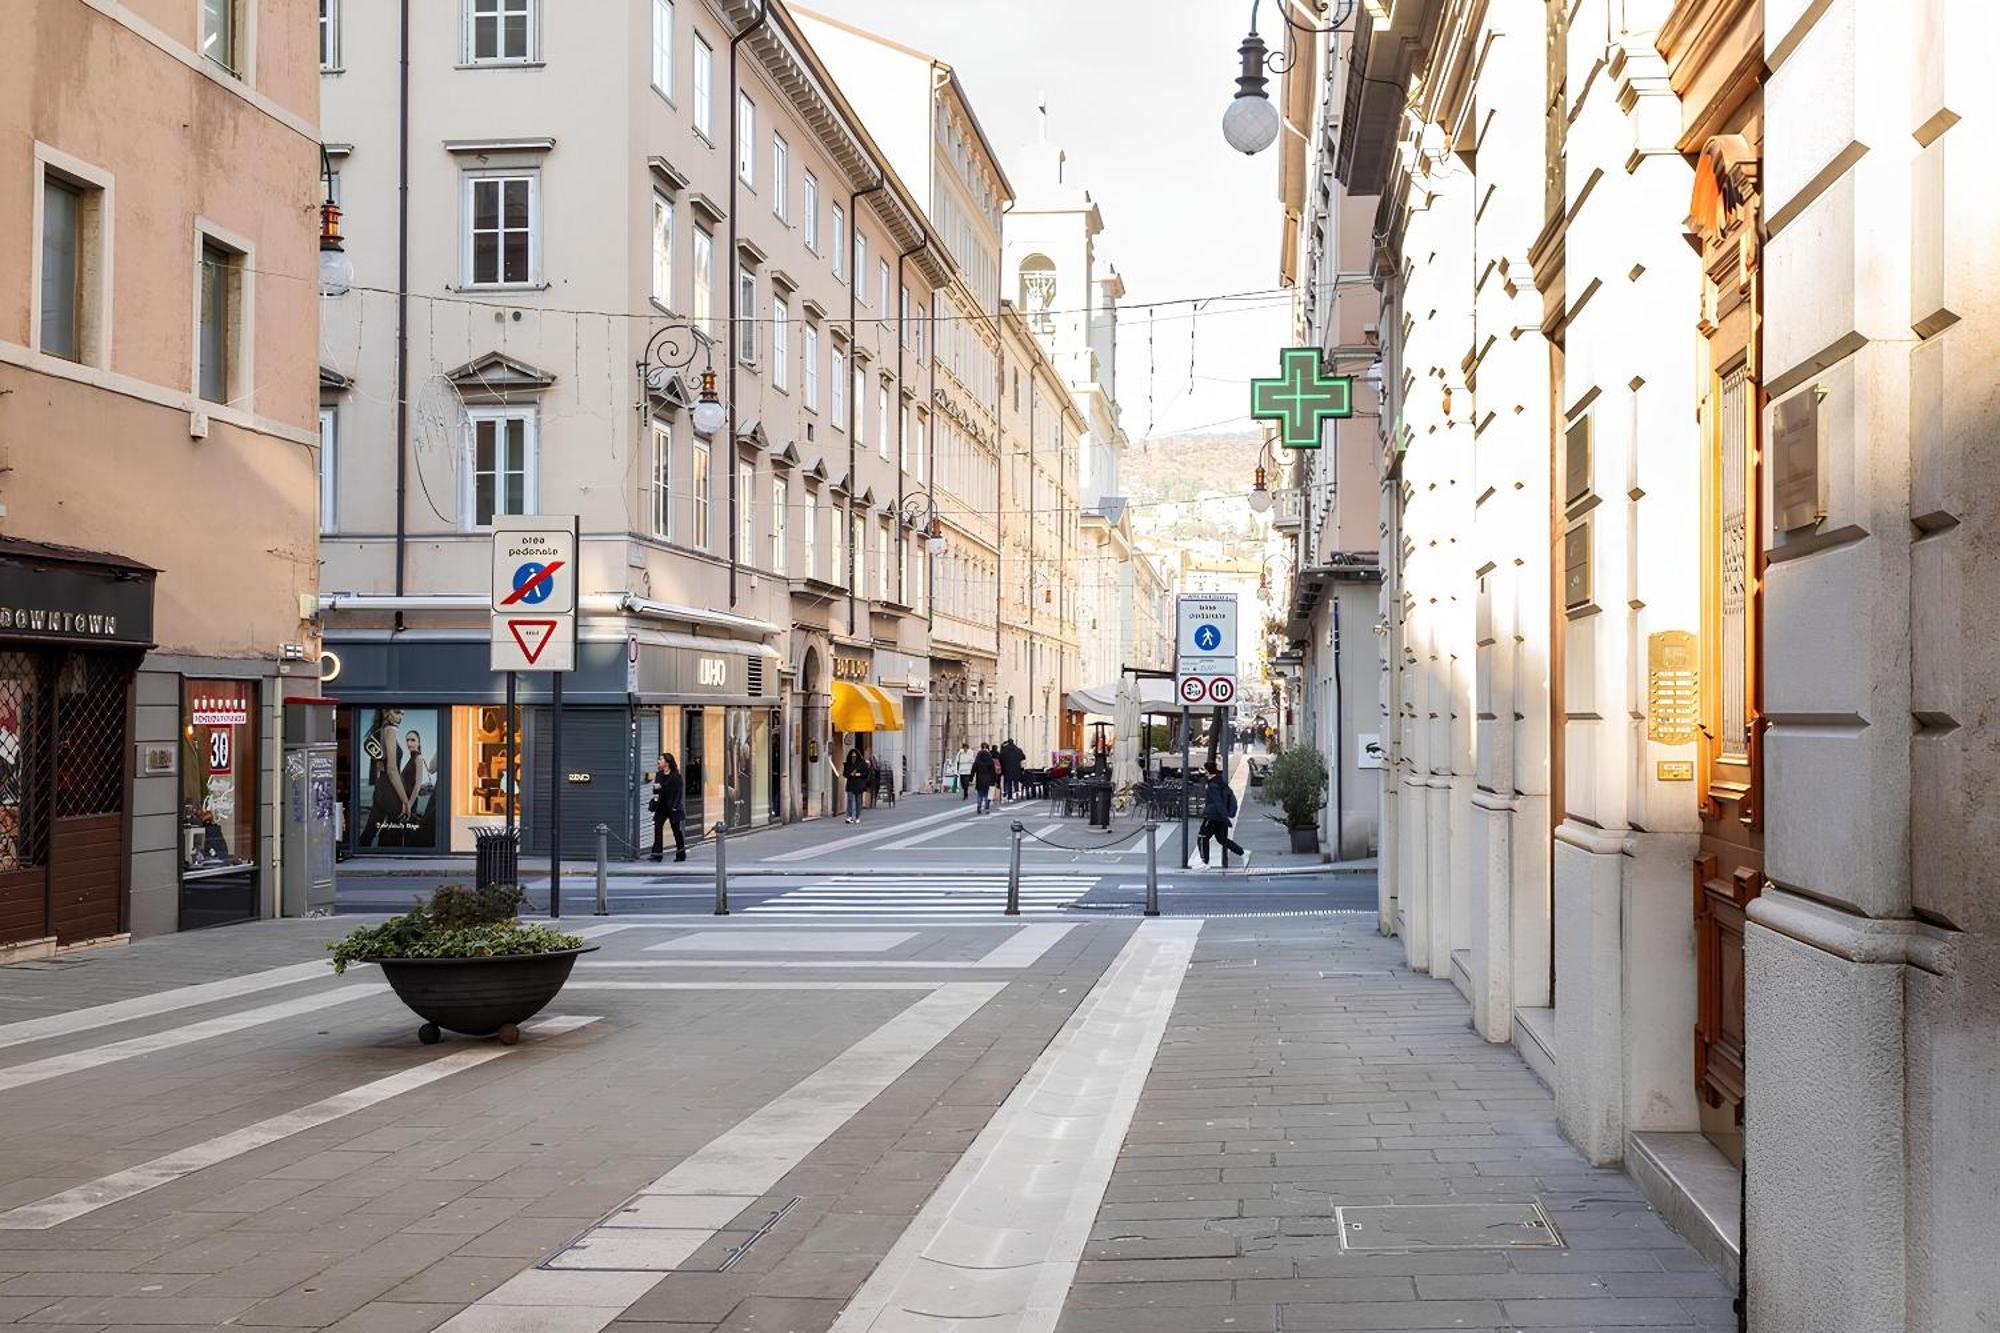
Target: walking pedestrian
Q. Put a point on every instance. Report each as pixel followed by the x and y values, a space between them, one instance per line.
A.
pixel 1218 808
pixel 1011 759
pixel 964 770
pixel 855 771
pixel 668 806
pixel 985 775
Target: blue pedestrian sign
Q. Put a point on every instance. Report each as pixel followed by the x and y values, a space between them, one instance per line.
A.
pixel 1208 638
pixel 533 582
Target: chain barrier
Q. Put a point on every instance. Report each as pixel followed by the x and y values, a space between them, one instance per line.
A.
pixel 1100 847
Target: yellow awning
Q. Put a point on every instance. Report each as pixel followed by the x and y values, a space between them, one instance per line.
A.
pixel 860 707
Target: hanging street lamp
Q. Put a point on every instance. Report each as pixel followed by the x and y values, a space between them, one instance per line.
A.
pixel 673 348
pixel 336 270
pixel 921 507
pixel 1251 122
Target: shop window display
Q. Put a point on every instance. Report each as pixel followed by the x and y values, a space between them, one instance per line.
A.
pixel 482 745
pixel 218 777
pixel 400 760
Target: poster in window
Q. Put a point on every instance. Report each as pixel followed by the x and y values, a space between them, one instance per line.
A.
pixel 396 801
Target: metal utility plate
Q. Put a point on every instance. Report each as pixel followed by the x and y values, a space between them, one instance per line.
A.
pixel 1406 1227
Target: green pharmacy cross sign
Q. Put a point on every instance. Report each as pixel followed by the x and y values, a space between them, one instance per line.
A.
pixel 1301 397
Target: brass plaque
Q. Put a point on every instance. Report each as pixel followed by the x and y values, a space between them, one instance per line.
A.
pixel 1674 770
pixel 1673 693
pixel 1796 492
pixel 1576 567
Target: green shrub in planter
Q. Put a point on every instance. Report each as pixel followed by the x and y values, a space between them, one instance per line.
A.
pixel 457 922
pixel 1297 785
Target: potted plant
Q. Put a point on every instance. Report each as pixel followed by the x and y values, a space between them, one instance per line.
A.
pixel 466 961
pixel 1296 784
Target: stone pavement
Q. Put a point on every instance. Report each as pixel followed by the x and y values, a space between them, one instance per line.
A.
pixel 1307 1070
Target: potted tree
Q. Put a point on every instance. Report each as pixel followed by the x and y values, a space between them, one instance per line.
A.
pixel 465 961
pixel 1296 784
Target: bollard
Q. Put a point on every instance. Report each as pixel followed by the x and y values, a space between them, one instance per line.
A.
pixel 721 832
pixel 1152 869
pixel 1014 874
pixel 603 870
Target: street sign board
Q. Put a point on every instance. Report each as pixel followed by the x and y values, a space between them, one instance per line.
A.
pixel 1205 649
pixel 534 594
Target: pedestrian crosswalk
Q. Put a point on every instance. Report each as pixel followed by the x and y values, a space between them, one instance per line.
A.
pixel 932 895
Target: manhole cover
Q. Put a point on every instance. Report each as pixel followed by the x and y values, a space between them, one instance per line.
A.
pixel 1446 1226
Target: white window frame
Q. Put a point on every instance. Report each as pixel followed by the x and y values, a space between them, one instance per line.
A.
pixel 500 9
pixel 811 375
pixel 746 513
pixel 839 243
pixel 700 481
pixel 781 177
pixel 746 140
pixel 329 468
pixel 780 498
pixel 781 343
pixel 882 561
pixel 882 419
pixel 882 284
pixel 239 345
pixel 240 36
pixel 472 181
pixel 95 220
pixel 811 203
pixel 746 314
pixel 701 307
pixel 836 543
pixel 663 48
pixel 329 36
pixel 530 463
pixel 860 265
pixel 663 479
pixel 703 90
pixel 857 537
pixel 661 235
pixel 838 407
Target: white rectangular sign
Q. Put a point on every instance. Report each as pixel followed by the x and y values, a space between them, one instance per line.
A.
pixel 1205 651
pixel 534 594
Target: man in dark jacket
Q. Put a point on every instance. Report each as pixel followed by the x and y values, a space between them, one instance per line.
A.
pixel 669 807
pixel 1218 807
pixel 1011 758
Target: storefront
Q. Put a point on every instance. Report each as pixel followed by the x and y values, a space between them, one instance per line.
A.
pixel 74 626
pixel 424 743
pixel 220 790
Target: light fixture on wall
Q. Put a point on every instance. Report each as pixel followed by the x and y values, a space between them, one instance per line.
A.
pixel 1251 122
pixel 921 507
pixel 336 270
pixel 672 348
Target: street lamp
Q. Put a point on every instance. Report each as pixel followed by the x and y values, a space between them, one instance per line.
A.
pixel 1250 123
pixel 336 270
pixel 921 507
pixel 673 347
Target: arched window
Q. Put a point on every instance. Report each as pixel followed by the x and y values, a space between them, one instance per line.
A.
pixel 1038 292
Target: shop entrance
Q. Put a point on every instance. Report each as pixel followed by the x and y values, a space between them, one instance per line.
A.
pixel 63 731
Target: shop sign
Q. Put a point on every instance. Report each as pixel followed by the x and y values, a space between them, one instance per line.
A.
pixel 712 672
pixel 75 605
pixel 220 711
pixel 851 668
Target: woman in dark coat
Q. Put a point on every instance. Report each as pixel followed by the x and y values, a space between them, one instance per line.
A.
pixel 669 807
pixel 855 773
pixel 985 777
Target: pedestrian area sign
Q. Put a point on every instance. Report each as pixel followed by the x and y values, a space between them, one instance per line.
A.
pixel 534 594
pixel 1205 651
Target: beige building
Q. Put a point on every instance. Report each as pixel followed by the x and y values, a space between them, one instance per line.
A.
pixel 157 326
pixel 603 211
pixel 1041 437
pixel 920 112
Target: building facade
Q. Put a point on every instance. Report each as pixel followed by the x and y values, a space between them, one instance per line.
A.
pixel 157 572
pixel 529 333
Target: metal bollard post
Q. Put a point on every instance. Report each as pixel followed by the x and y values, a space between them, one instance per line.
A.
pixel 1014 874
pixel 721 832
pixel 603 870
pixel 1152 869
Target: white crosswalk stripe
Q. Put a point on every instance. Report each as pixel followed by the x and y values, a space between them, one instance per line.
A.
pixel 940 895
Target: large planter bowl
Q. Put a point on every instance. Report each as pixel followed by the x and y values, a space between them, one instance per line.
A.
pixel 480 997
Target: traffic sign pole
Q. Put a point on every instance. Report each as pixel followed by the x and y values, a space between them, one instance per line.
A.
pixel 555 794
pixel 1187 786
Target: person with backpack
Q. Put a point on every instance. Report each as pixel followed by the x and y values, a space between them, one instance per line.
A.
pixel 1218 808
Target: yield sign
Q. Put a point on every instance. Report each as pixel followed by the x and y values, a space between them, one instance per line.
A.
pixel 532 635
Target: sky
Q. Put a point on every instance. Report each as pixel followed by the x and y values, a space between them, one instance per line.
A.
pixel 1135 92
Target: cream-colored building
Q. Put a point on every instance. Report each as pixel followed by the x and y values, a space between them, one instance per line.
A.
pixel 602 209
pixel 158 281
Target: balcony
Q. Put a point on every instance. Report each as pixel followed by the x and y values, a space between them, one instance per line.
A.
pixel 1288 509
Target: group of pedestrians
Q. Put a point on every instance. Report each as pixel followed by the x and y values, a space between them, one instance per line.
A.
pixel 992 766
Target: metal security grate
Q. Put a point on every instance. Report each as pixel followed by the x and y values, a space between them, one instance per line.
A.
pixel 90 737
pixel 24 815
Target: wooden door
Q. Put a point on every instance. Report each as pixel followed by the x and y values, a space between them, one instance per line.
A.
pixel 24 803
pixel 87 842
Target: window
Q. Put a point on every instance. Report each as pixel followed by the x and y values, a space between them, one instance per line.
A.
pixel 839 381
pixel 781 343
pixel 903 314
pixel 835 544
pixel 860 265
pixel 699 474
pixel 839 242
pixel 499 31
pixel 882 419
pixel 218 32
pixel 746 513
pixel 500 243
pixel 663 475
pixel 812 212
pixel 746 314
pixel 779 499
pixel 882 561
pixel 221 313
pixel 501 471
pixel 781 174
pixel 812 368
pixel 903 439
pixel 329 441
pixel 703 306
pixel 663 249
pixel 860 402
pixel 663 46
pixel 857 534
pixel 746 140
pixel 704 86
pixel 915 467
pixel 903 590
pixel 329 34
pixel 882 285
pixel 62 269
